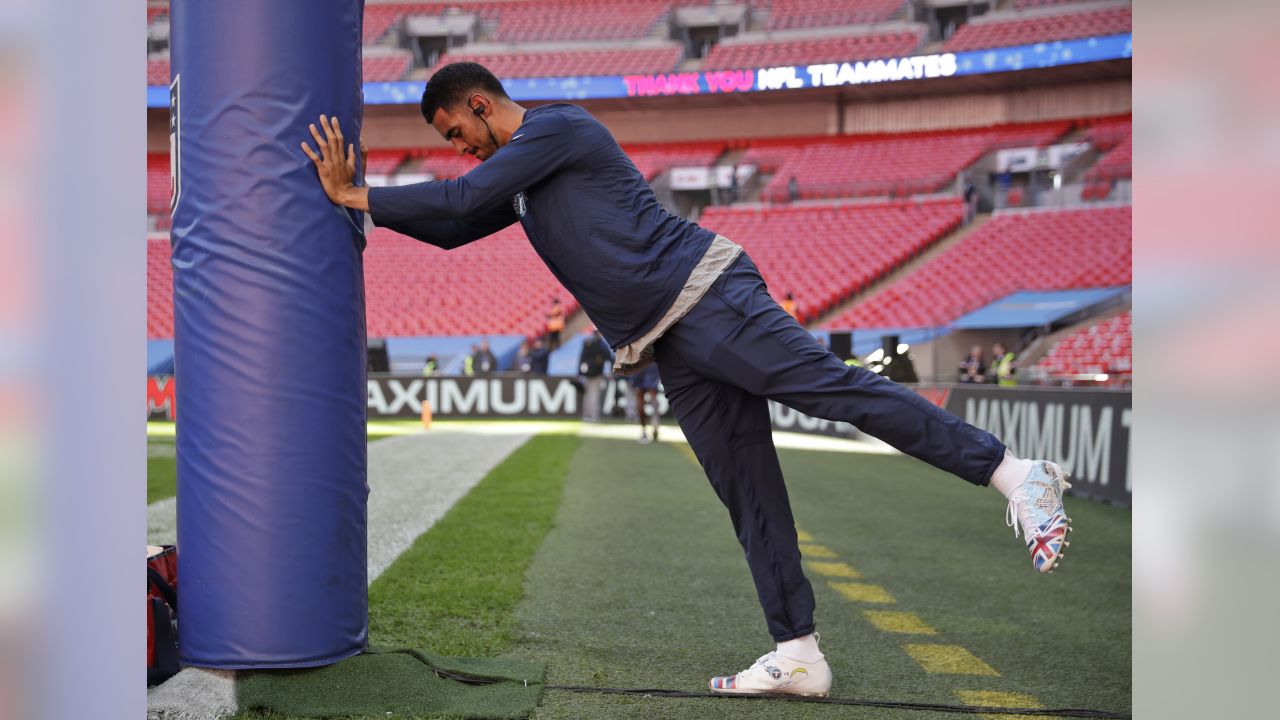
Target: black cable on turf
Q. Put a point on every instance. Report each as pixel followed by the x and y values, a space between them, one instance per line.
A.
pixel 936 707
pixel 894 704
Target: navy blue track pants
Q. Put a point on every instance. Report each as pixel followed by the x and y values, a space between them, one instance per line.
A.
pixel 722 362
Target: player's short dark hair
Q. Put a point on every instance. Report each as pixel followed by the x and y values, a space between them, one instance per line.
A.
pixel 451 84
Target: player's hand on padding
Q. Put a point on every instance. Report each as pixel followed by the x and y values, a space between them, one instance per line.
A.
pixel 336 161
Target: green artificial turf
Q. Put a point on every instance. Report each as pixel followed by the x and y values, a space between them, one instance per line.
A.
pixel 453 592
pixel 642 584
pixel 162 469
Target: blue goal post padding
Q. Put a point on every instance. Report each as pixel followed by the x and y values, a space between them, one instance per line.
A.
pixel 269 337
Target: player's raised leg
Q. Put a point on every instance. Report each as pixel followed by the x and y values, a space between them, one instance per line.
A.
pixel 769 354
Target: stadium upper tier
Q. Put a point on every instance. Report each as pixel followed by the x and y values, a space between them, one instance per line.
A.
pixel 870 165
pixel 538 37
pixel 620 61
pixel 516 21
pixel 1003 29
pixel 823 254
pixel 1034 250
pixel 1103 347
pixel 762 53
pixel 789 14
pixel 379 65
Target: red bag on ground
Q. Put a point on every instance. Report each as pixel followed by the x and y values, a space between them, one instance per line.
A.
pixel 162 613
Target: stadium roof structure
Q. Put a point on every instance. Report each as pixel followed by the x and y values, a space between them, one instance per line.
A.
pixel 1036 309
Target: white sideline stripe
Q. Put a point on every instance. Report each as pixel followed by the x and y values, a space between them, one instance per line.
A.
pixel 413 481
pixel 781 439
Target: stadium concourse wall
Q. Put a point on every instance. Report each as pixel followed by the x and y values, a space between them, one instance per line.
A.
pixel 1087 431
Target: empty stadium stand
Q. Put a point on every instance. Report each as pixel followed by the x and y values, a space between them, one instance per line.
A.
pixel 1025 4
pixel 730 55
pixel 385 65
pixel 652 159
pixel 1021 250
pixel 382 162
pixel 1002 29
pixel 1106 133
pixel 158 181
pixel 158 71
pixel 550 63
pixel 380 65
pixel 901 164
pixel 159 289
pixel 788 14
pixel 497 285
pixel 1103 347
pixel 578 20
pixel 824 253
pixel 441 163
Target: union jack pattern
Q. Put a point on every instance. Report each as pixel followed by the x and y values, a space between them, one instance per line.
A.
pixel 1047 544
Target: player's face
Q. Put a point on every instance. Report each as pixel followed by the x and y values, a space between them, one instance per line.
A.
pixel 465 132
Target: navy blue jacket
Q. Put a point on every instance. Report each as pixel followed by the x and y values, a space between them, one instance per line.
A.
pixel 587 211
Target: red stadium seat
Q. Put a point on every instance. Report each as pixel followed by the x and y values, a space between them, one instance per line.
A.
pixel 1036 250
pixel 1103 347
pixel 824 253
pixel 1004 29
pixel 620 61
pixel 788 14
pixel 874 165
pixel 735 55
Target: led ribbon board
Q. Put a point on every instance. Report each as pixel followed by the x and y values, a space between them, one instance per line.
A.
pixel 786 77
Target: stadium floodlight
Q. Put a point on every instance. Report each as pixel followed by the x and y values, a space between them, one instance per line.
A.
pixel 903 348
pixel 888 360
pixel 875 355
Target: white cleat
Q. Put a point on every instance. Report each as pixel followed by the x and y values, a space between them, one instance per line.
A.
pixel 1036 508
pixel 775 674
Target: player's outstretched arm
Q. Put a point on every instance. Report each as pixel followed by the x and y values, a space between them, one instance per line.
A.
pixel 336 165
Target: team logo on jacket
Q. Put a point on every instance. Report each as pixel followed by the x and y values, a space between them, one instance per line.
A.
pixel 520 203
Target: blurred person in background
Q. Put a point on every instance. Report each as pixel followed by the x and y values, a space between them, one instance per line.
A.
pixel 661 288
pixel 973 369
pixel 555 324
pixel 595 354
pixel 644 388
pixel 1003 366
pixel 469 362
pixel 483 361
pixel 789 305
pixel 524 361
pixel 539 357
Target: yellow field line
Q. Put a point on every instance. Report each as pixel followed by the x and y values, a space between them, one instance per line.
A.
pixel 906 623
pixel 862 592
pixel 833 569
pixel 990 698
pixel 948 660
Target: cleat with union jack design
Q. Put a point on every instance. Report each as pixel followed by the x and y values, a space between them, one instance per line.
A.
pixel 1036 509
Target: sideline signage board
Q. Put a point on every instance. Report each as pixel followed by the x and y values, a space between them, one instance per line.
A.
pixel 1086 431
